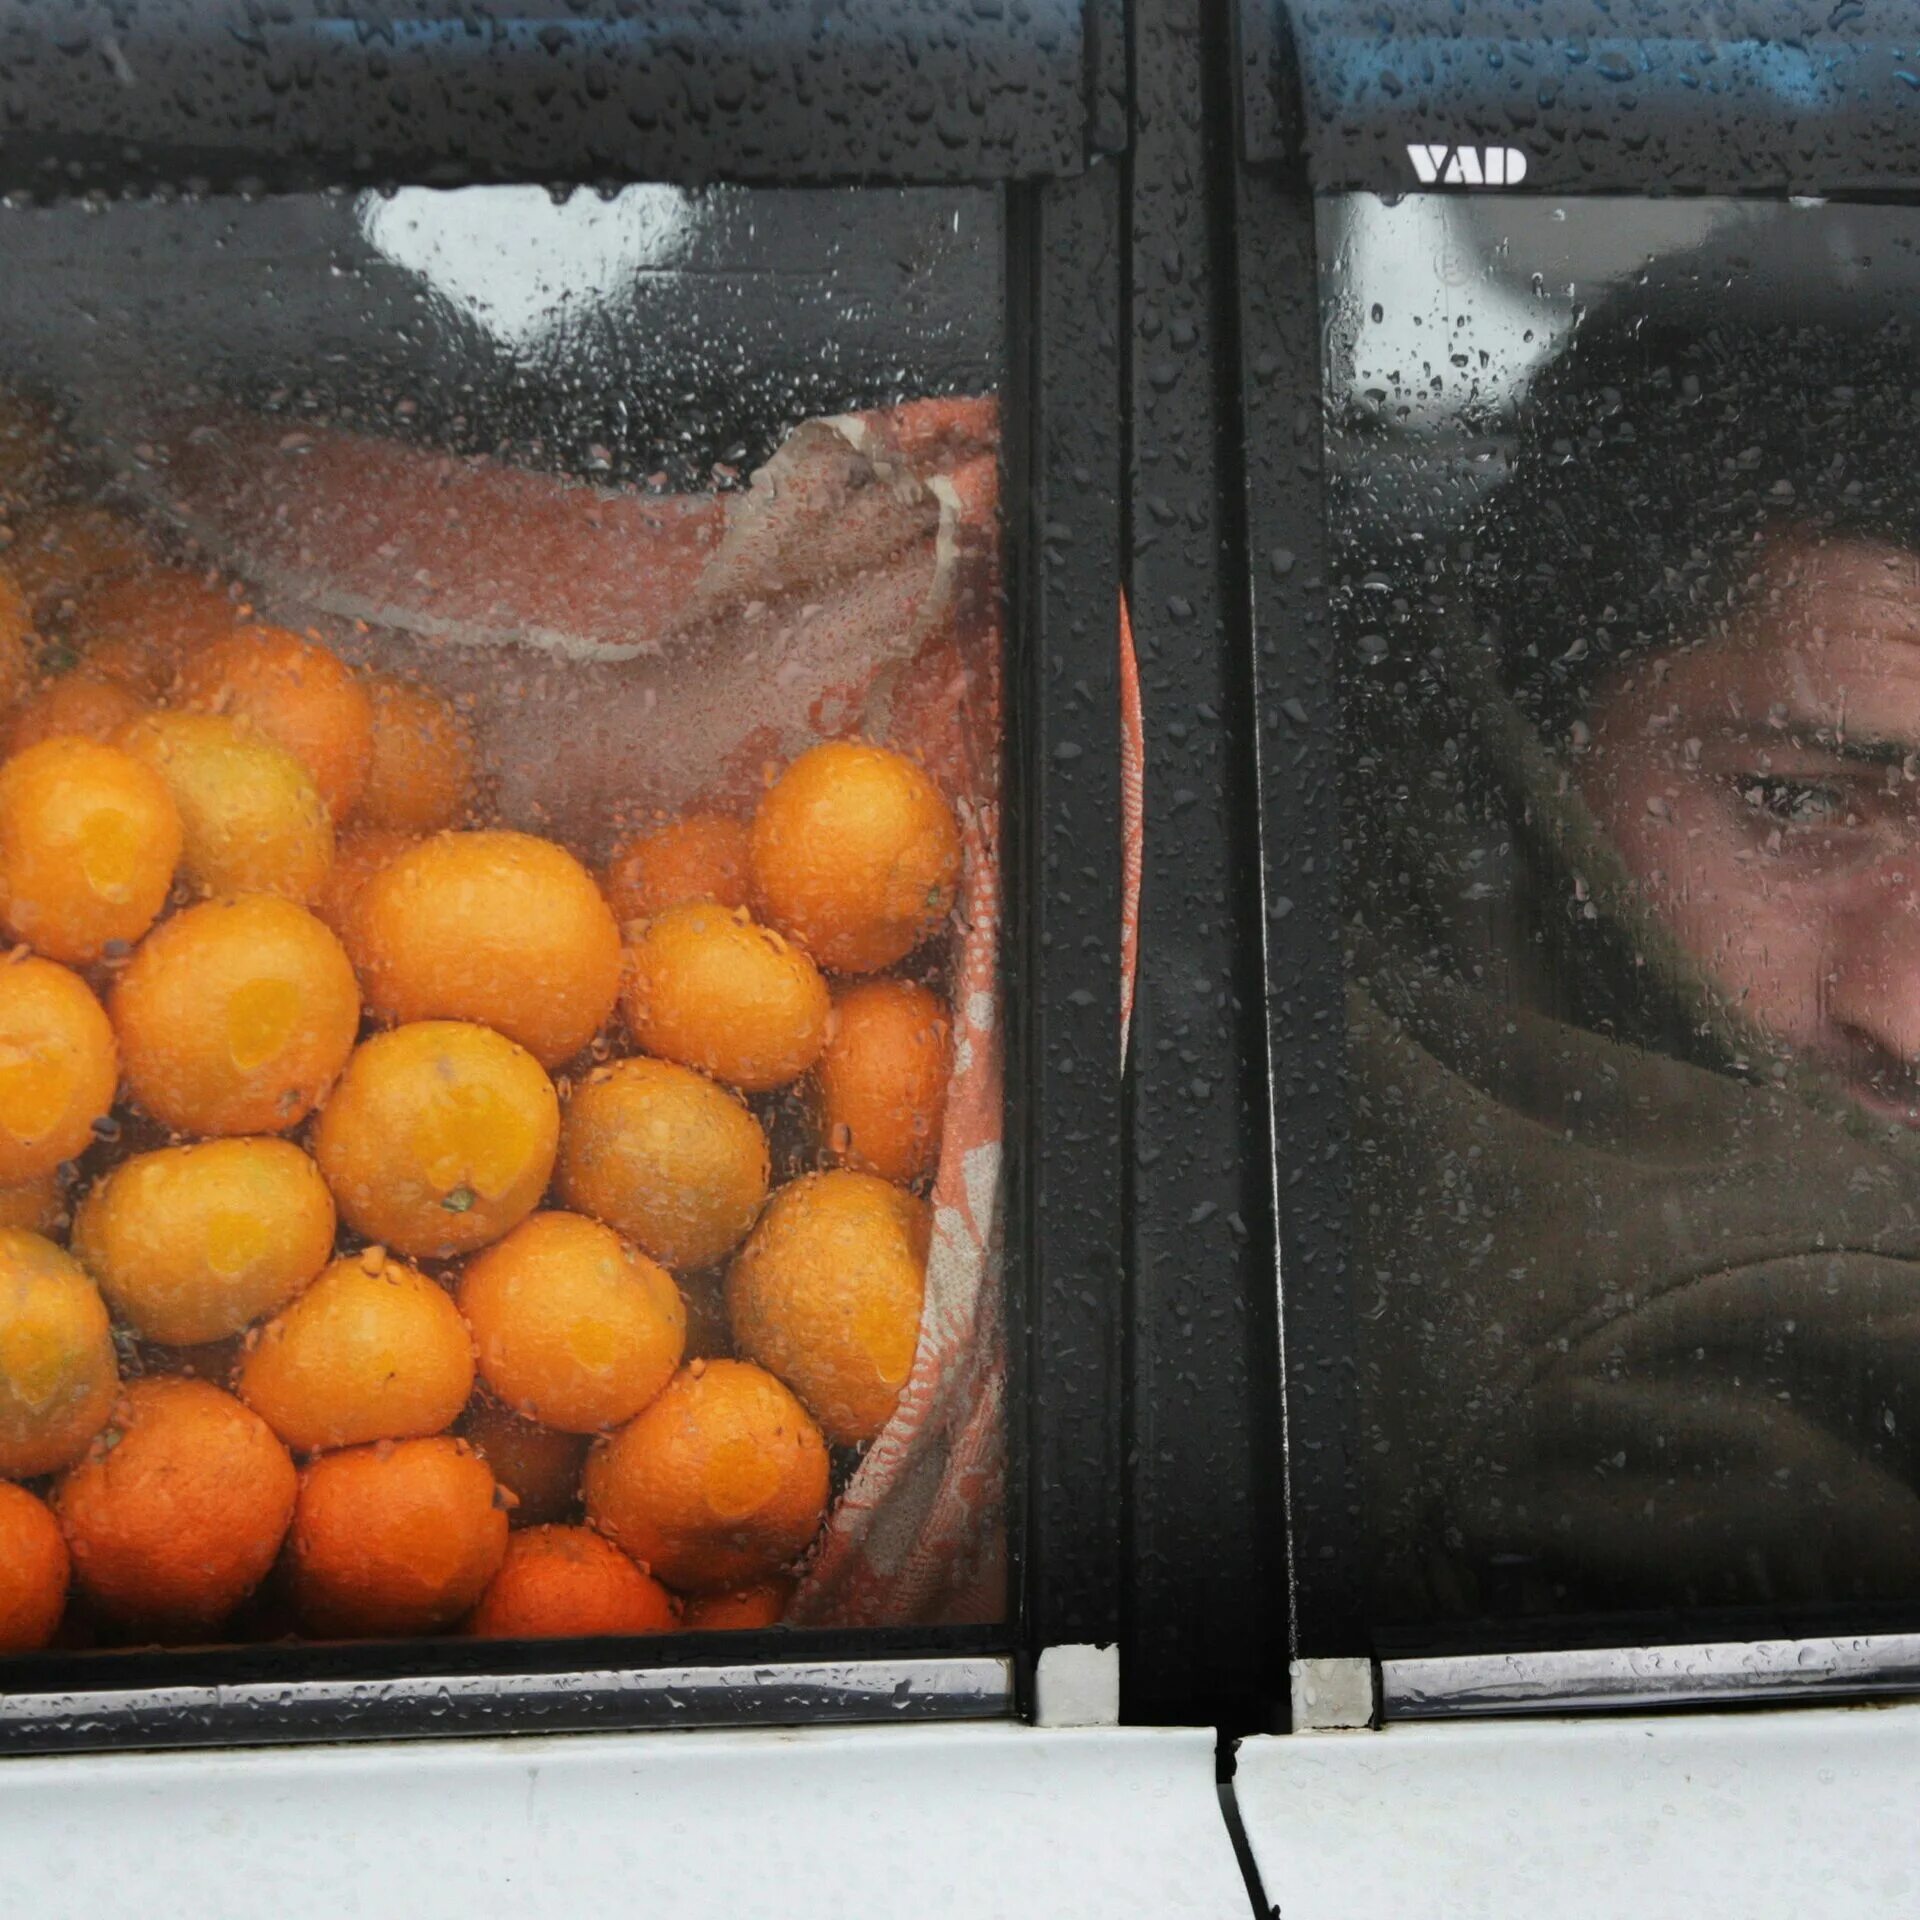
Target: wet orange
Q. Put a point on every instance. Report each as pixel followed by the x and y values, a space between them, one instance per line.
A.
pixel 58 1067
pixel 440 1136
pixel 253 819
pixel 137 629
pixel 562 1581
pixel 373 1350
pixel 58 1375
pixel 295 693
pixel 702 856
pixel 358 855
pixel 572 1326
pixel 827 1294
pixel 499 928
pixel 764 1605
pixel 722 1481
pixel 75 703
pixel 36 1205
pixel 711 989
pixel 89 838
pixel 235 1016
pixel 856 854
pixel 34 1569
pixel 666 1158
pixel 539 1466
pixel 179 1508
pixel 880 1086
pixel 190 1244
pixel 16 622
pixel 421 773
pixel 59 551
pixel 399 1538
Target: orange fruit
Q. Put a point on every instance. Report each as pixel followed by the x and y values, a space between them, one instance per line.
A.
pixel 34 1569
pixel 60 550
pixel 235 1016
pixel 89 837
pixel 667 1159
pixel 177 1512
pixel 137 628
pixel 253 819
pixel 75 703
pixel 296 694
pixel 30 449
pixel 827 1294
pixel 190 1244
pixel 856 854
pixel 399 1538
pixel 58 1067
pixel 495 927
pixel 421 772
pixel 702 856
pixel 880 1085
pixel 764 1605
pixel 357 856
pixel 35 1205
pixel 562 1581
pixel 439 1137
pixel 16 622
pixel 711 989
pixel 539 1466
pixel 720 1482
pixel 58 1374
pixel 573 1328
pixel 373 1350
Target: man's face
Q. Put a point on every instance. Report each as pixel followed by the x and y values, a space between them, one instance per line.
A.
pixel 1764 789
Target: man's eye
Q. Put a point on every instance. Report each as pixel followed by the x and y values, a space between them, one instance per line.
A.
pixel 1796 803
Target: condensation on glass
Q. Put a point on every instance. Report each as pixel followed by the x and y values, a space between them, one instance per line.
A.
pixel 1627 524
pixel 500 1085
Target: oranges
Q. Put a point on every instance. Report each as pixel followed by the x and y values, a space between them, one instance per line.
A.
pixel 573 1327
pixel 538 1466
pixel 421 771
pixel 720 1482
pixel 235 1016
pixel 881 1080
pixel 177 1512
pixel 190 1244
pixel 439 1137
pixel 394 1539
pixel 373 1350
pixel 568 1580
pixel 498 928
pixel 59 550
pixel 16 622
pixel 136 628
pixel 58 1067
pixel 703 856
pixel 57 1369
pixel 88 842
pixel 712 990
pixel 35 1204
pixel 357 857
pixel 76 703
pixel 667 1159
pixel 827 1292
pixel 856 854
pixel 34 1569
pixel 757 1606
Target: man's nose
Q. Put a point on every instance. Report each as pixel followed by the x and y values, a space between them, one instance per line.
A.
pixel 1873 978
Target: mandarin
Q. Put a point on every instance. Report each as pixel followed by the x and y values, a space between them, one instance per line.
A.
pixel 880 1084
pixel 395 1538
pixel 136 629
pixel 190 1244
pixel 573 1327
pixel 720 1482
pixel 176 1514
pixel 764 1605
pixel 358 855
pixel 856 854
pixel 294 693
pixel 36 1204
pixel 58 1374
pixel 235 1016
pixel 58 1067
pixel 421 772
pixel 16 622
pixel 60 550
pixel 701 856
pixel 253 819
pixel 75 703
pixel 559 1582
pixel 89 837
pixel 495 927
pixel 373 1350
pixel 711 989
pixel 440 1136
pixel 667 1159
pixel 34 1570
pixel 540 1466
pixel 827 1293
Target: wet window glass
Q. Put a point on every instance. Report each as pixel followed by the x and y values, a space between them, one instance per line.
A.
pixel 499 1034
pixel 1627 521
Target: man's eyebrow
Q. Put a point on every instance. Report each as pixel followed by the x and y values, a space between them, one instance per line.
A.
pixel 1863 750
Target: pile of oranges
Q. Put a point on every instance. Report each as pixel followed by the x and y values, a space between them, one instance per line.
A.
pixel 405 1225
